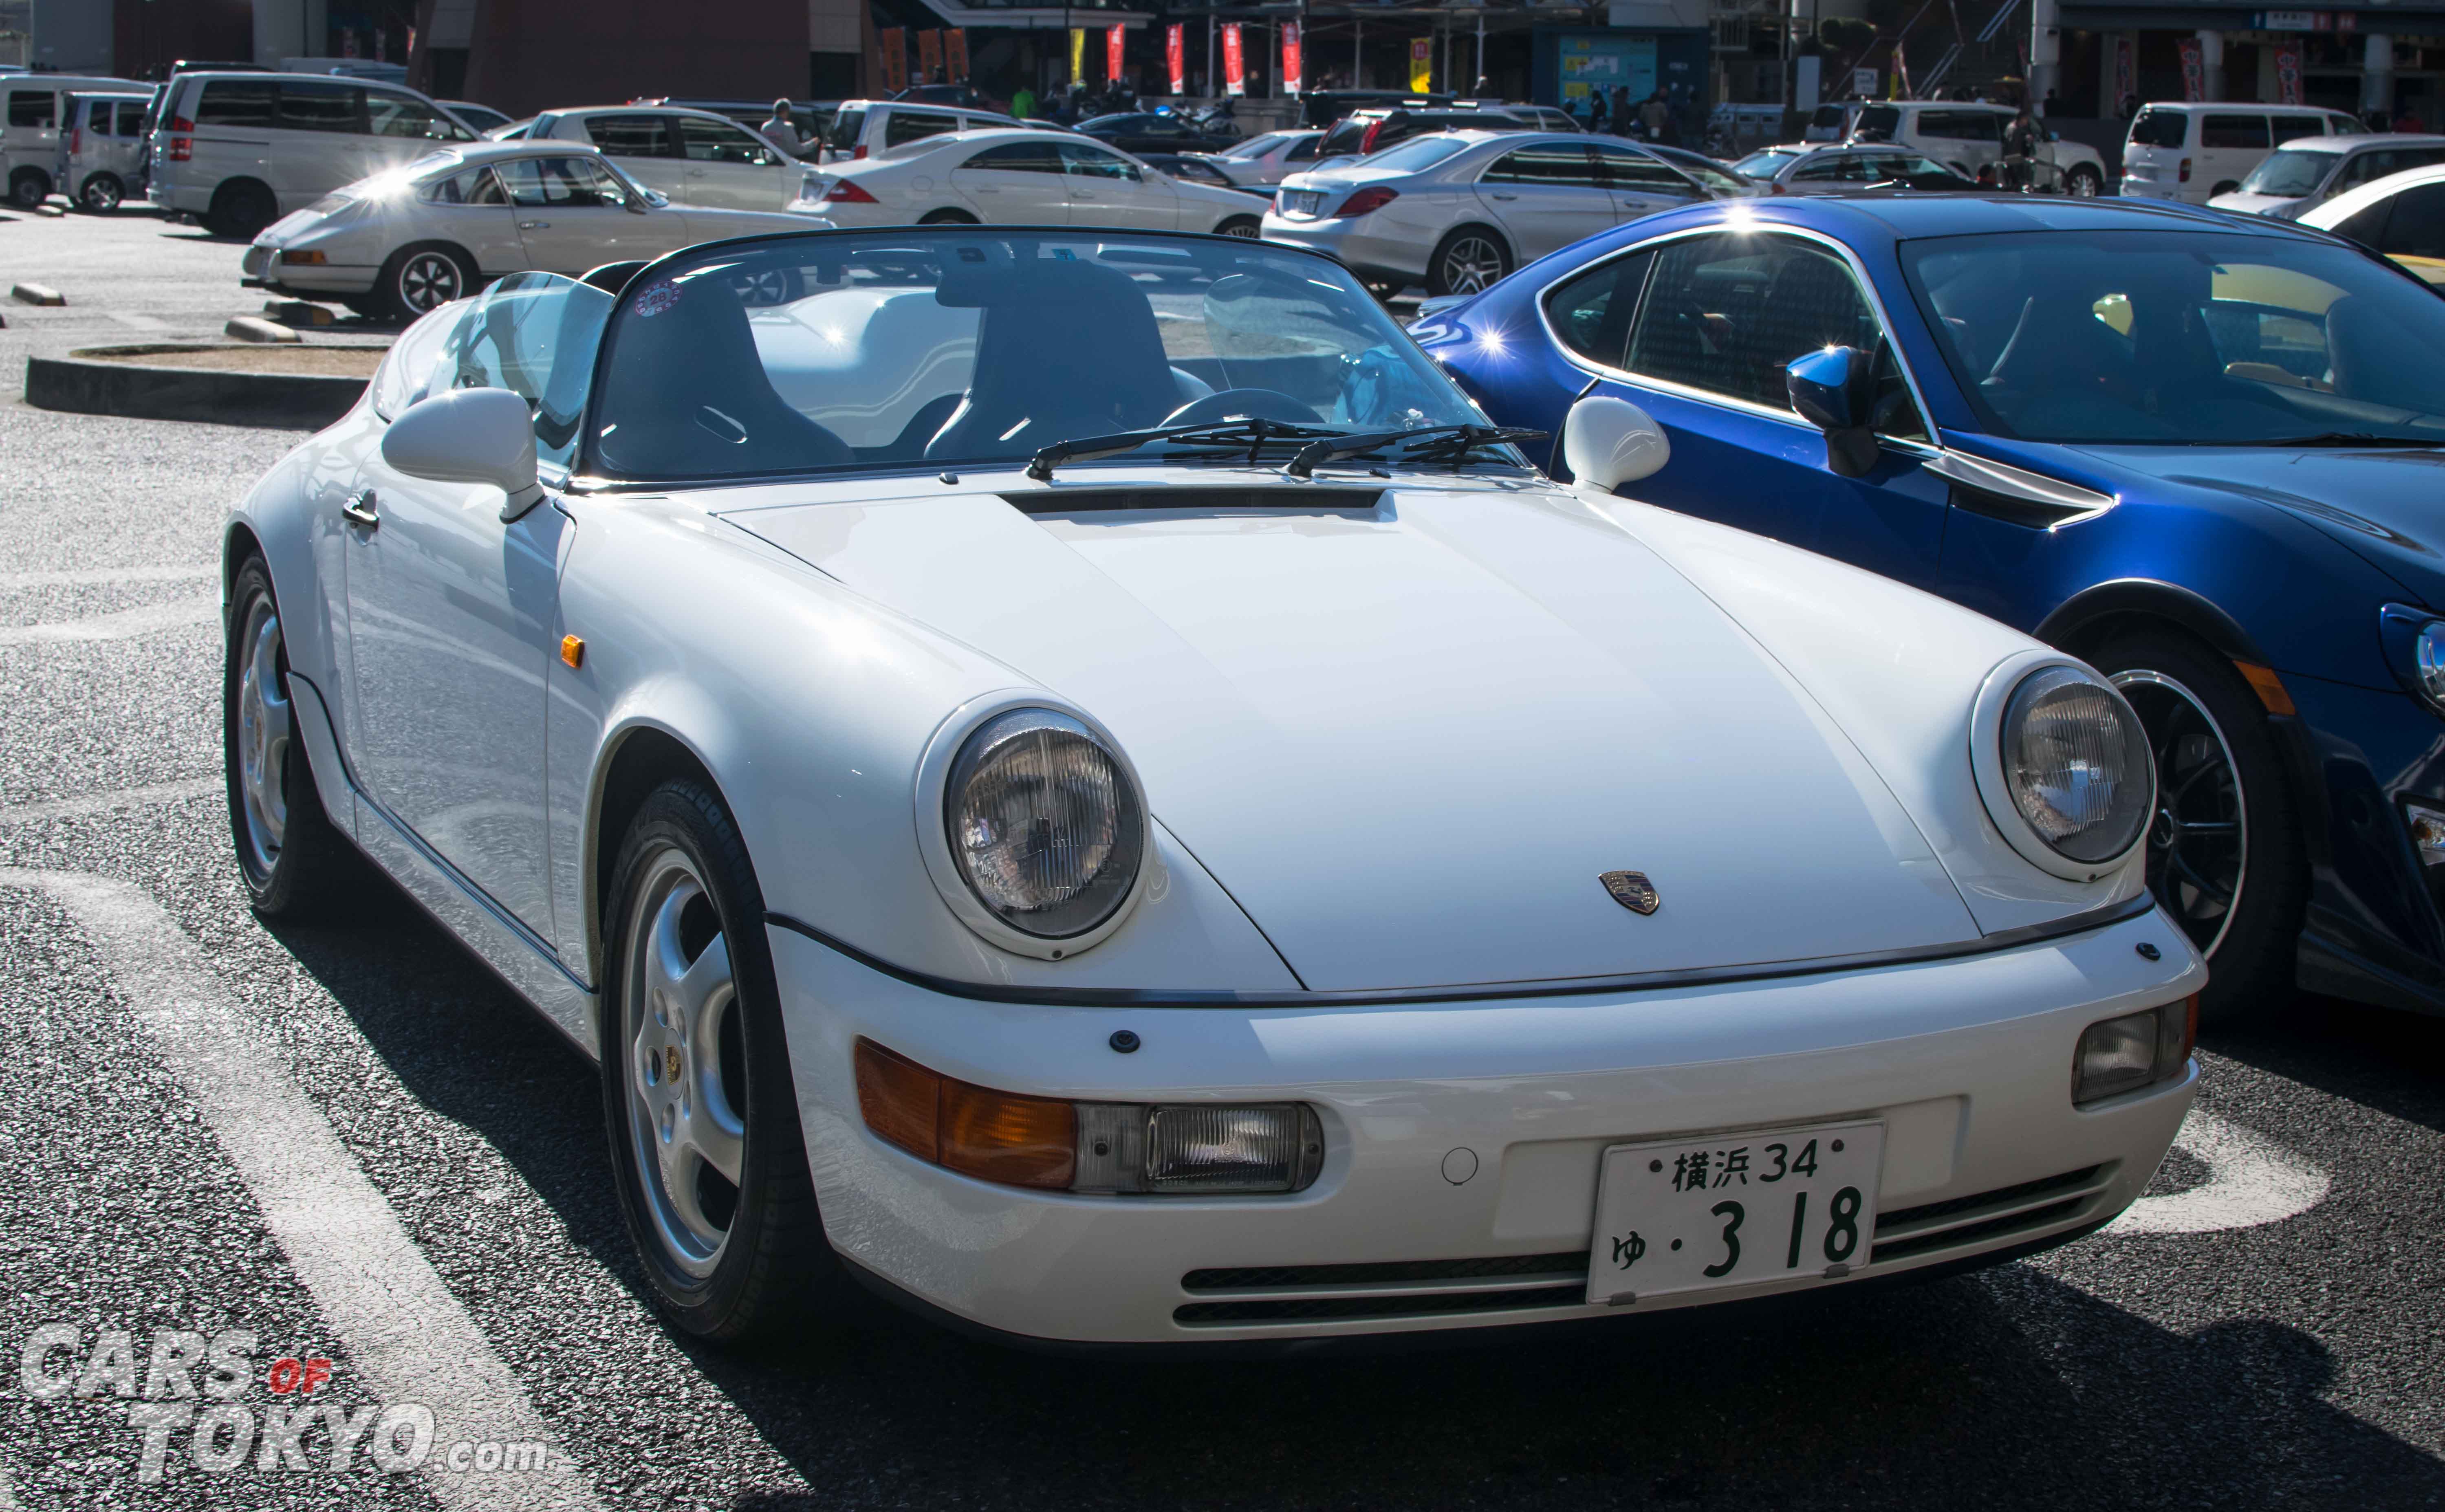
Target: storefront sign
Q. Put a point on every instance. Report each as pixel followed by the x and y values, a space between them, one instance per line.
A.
pixel 1235 71
pixel 1175 54
pixel 2194 72
pixel 2303 21
pixel 1114 51
pixel 1864 82
pixel 1291 75
pixel 2288 73
pixel 1600 64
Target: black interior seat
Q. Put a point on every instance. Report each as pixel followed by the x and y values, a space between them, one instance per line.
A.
pixel 1064 349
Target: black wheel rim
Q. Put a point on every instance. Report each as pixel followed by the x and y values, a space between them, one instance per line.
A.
pixel 2199 844
pixel 428 281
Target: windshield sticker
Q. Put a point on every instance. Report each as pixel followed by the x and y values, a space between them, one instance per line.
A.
pixel 656 298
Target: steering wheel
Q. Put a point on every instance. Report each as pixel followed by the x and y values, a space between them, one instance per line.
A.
pixel 1233 403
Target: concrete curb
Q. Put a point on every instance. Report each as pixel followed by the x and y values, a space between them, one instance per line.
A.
pixel 37 295
pixel 255 329
pixel 279 401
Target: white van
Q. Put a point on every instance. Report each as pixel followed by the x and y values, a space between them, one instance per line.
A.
pixel 241 150
pixel 2193 152
pixel 1970 137
pixel 102 151
pixel 871 128
pixel 695 158
pixel 32 106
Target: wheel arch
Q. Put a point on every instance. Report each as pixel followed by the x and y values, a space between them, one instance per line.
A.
pixel 636 758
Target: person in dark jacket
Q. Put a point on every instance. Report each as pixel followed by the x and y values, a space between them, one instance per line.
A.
pixel 2019 150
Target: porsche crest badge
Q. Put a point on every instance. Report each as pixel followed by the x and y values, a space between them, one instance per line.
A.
pixel 1632 890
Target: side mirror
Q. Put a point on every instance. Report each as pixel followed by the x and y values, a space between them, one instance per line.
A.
pixel 470 436
pixel 1834 389
pixel 1607 442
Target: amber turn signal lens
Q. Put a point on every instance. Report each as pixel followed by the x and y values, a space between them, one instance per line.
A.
pixel 572 651
pixel 974 1131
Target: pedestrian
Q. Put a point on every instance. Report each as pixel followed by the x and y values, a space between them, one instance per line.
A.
pixel 2405 120
pixel 1622 111
pixel 2019 150
pixel 2048 107
pixel 1022 103
pixel 1484 88
pixel 782 130
pixel 1652 116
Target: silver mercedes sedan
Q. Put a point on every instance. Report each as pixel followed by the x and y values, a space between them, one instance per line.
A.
pixel 412 240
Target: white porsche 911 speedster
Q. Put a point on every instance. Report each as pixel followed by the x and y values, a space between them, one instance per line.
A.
pixel 1069 779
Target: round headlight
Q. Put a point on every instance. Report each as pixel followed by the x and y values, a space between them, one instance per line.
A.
pixel 1044 823
pixel 2077 764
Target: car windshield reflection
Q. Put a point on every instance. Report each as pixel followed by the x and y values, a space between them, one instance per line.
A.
pixel 842 351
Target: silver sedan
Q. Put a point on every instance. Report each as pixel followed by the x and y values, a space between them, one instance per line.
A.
pixel 404 242
pixel 1458 210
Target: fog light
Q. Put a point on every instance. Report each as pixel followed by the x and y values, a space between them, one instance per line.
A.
pixel 1183 1149
pixel 2427 834
pixel 2123 1055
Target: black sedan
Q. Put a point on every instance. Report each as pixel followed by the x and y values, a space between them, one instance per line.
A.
pixel 1200 171
pixel 1141 132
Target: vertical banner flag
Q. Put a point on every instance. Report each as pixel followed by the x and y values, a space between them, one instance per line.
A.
pixel 895 58
pixel 2123 88
pixel 1290 57
pixel 2194 71
pixel 2288 73
pixel 1112 47
pixel 1077 52
pixel 1422 65
pixel 930 55
pixel 955 53
pixel 1175 54
pixel 1234 74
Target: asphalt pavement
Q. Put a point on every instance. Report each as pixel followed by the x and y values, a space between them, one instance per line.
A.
pixel 2265 1333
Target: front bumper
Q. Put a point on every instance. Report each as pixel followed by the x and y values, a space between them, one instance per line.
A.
pixel 1967 1062
pixel 261 268
pixel 1363 244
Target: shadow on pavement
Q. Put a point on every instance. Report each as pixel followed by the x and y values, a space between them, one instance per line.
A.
pixel 2379 1057
pixel 2004 1389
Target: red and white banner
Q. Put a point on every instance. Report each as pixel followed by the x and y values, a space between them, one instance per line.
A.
pixel 930 55
pixel 1175 53
pixel 1112 44
pixel 1235 72
pixel 2288 73
pixel 2124 86
pixel 1290 57
pixel 2194 70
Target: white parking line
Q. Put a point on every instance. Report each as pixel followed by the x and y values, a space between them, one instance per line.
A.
pixel 407 1335
pixel 89 576
pixel 123 625
pixel 2251 1180
pixel 107 802
pixel 137 321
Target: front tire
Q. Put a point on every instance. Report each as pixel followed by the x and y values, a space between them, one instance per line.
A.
pixel 419 280
pixel 2084 183
pixel 2225 856
pixel 240 210
pixel 1466 261
pixel 697 1096
pixel 28 187
pixel 293 860
pixel 948 218
pixel 101 193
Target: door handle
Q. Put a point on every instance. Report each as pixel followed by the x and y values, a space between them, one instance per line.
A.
pixel 534 225
pixel 1506 197
pixel 360 510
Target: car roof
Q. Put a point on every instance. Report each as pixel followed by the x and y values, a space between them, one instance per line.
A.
pixel 2186 106
pixel 581 111
pixel 1874 218
pixel 2360 196
pixel 2347 140
pixel 485 150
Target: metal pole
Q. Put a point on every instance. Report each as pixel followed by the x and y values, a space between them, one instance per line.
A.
pixel 1213 83
pixel 1481 40
pixel 1357 51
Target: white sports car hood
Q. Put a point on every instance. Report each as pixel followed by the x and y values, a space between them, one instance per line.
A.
pixel 1410 741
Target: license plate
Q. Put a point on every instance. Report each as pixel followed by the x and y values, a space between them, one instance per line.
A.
pixel 1724 1210
pixel 1304 204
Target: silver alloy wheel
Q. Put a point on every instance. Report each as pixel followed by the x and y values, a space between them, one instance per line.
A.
pixel 1242 228
pixel 429 280
pixel 2084 185
pixel 1473 264
pixel 264 726
pixel 101 193
pixel 2199 844
pixel 771 286
pixel 688 1140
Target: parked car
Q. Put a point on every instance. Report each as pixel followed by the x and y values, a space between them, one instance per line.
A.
pixel 1833 121
pixel 1969 137
pixel 872 128
pixel 1715 175
pixel 101 154
pixel 2305 173
pixel 1021 177
pixel 1153 131
pixel 32 106
pixel 1323 107
pixel 2400 216
pixel 2193 152
pixel 1459 210
pixel 405 242
pixel 2197 451
pixel 695 156
pixel 1836 168
pixel 1544 117
pixel 1365 132
pixel 1262 161
pixel 240 150
pixel 980 798
pixel 1198 168
pixel 481 120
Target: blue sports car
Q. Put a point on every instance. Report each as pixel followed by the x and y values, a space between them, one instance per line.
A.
pixel 2205 454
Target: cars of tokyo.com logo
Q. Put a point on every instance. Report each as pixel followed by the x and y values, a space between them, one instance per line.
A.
pixel 186 1398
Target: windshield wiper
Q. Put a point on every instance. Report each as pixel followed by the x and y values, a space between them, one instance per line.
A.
pixel 1452 444
pixel 1253 432
pixel 2339 438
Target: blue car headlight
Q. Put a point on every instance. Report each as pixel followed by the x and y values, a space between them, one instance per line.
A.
pixel 2414 646
pixel 2428 655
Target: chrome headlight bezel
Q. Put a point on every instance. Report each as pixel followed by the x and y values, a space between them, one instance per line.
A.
pixel 935 844
pixel 1987 738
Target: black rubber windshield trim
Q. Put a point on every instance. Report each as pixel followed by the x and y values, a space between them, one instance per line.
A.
pixel 2112 913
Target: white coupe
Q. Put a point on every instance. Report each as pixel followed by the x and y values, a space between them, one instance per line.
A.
pixel 1020 178
pixel 1071 779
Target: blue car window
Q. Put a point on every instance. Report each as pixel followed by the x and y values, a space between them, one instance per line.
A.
pixel 1591 313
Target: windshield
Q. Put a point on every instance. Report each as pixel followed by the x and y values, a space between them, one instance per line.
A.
pixel 1763 164
pixel 835 351
pixel 2154 127
pixel 1254 146
pixel 2289 172
pixel 2185 337
pixel 1877 122
pixel 1416 155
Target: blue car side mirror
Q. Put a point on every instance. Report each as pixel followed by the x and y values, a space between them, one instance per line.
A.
pixel 1834 389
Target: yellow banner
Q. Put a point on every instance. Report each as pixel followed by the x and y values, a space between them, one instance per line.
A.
pixel 1422 65
pixel 1078 51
